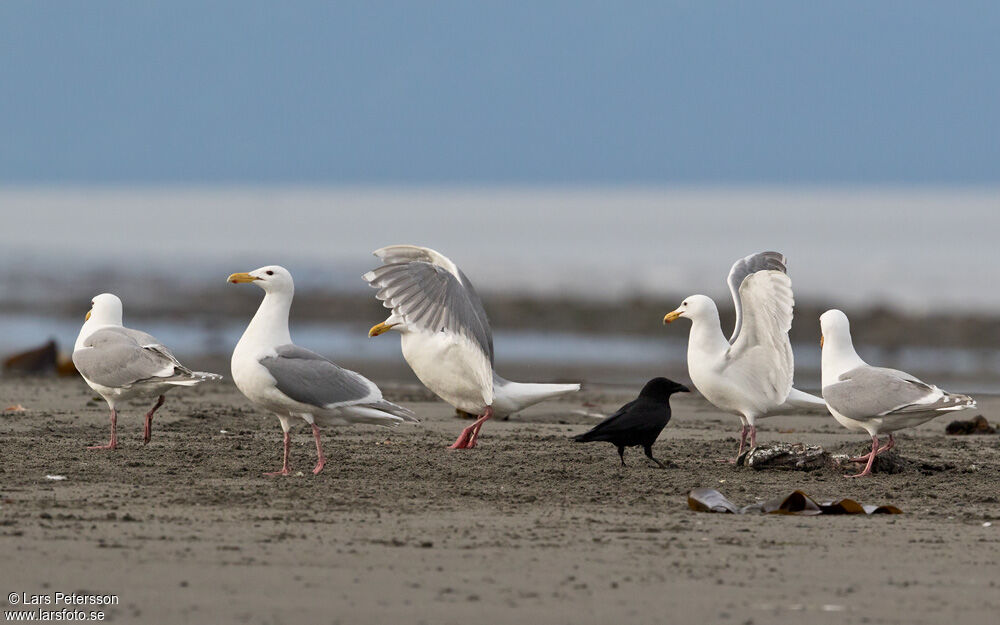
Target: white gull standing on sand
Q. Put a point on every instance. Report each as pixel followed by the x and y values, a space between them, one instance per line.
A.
pixel 446 337
pixel 292 381
pixel 123 364
pixel 875 399
pixel 750 374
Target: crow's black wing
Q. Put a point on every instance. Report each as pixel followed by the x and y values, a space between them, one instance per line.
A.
pixel 635 419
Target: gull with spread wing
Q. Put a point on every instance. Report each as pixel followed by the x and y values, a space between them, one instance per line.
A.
pixel 750 374
pixel 446 337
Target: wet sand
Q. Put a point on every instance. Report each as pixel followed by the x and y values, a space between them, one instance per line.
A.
pixel 528 528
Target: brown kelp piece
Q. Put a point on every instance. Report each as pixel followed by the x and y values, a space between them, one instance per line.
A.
pixel 33 361
pixel 41 360
pixel 976 425
pixel 710 500
pixel 796 503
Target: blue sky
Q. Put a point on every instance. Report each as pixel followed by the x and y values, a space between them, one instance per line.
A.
pixel 499 93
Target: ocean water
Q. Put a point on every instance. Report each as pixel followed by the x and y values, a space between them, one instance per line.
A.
pixel 654 354
pixel 914 250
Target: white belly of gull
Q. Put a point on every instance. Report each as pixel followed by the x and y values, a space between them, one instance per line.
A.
pixel 451 366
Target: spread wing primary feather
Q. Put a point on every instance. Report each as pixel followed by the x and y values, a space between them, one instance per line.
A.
pixel 762 354
pixel 745 267
pixel 431 294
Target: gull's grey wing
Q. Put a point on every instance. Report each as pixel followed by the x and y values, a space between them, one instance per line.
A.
pixel 744 267
pixel 870 392
pixel 309 378
pixel 150 342
pixel 113 357
pixel 429 296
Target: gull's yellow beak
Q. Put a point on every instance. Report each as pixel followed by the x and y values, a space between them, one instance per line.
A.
pixel 670 317
pixel 239 278
pixel 87 318
pixel 379 329
pixel 821 341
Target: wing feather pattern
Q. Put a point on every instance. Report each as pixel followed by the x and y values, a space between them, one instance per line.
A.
pixel 867 393
pixel 119 358
pixel 744 267
pixel 761 357
pixel 311 379
pixel 428 292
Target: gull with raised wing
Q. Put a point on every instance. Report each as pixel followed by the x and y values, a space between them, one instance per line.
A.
pixel 446 337
pixel 750 374
pixel 871 399
pixel 293 382
pixel 123 364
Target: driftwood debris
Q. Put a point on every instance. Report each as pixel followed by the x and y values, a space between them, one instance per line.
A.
pixel 785 456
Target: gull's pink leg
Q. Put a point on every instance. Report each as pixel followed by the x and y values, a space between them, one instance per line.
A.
pixel 320 460
pixel 753 436
pixel 284 466
pixel 475 433
pixel 148 431
pixel 114 433
pixel 892 443
pixel 864 458
pixel 871 459
pixel 743 438
pixel 467 439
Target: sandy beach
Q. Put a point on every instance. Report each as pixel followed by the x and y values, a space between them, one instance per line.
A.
pixel 471 192
pixel 528 528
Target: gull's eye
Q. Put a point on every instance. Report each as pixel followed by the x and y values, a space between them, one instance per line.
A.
pixel 270 273
pixel 684 304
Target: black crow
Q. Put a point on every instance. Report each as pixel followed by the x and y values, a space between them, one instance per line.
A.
pixel 638 422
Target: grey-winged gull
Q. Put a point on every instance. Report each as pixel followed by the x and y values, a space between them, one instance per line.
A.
pixel 750 374
pixel 446 337
pixel 292 381
pixel 123 364
pixel 875 399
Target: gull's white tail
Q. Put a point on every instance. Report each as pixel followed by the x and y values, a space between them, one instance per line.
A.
pixel 800 403
pixel 511 397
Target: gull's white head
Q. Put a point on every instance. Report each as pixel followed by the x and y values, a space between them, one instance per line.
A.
pixel 693 307
pixel 835 328
pixel 273 279
pixel 105 309
pixel 838 348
